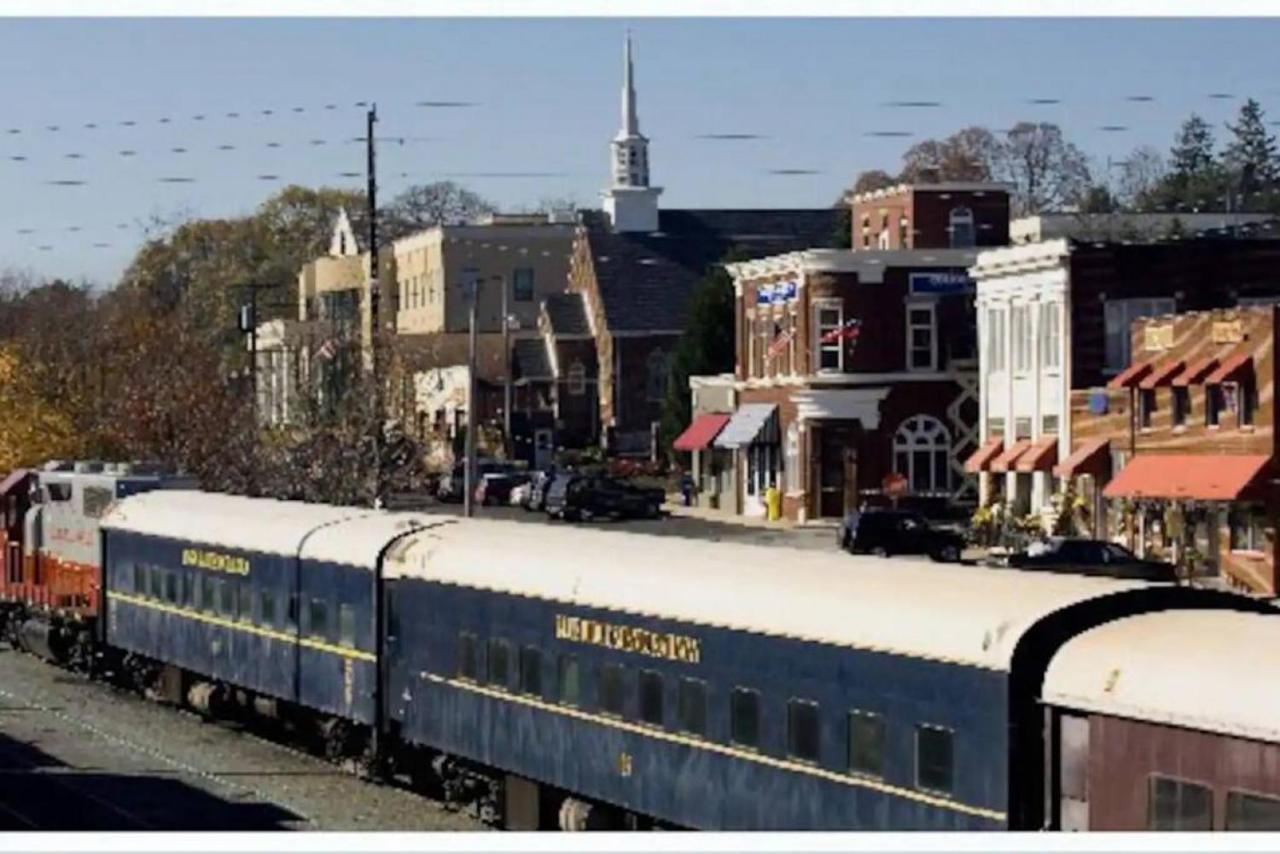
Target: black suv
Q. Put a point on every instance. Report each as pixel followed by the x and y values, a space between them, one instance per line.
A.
pixel 585 497
pixel 898 532
pixel 1091 557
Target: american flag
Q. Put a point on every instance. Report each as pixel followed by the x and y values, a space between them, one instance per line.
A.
pixel 780 340
pixel 848 331
pixel 327 350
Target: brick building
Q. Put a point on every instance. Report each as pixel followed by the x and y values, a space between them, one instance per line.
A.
pixel 931 216
pixel 826 413
pixel 1181 444
pixel 1055 318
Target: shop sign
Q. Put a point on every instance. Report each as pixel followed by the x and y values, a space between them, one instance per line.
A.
pixel 1157 337
pixel 777 293
pixel 940 284
pixel 1228 331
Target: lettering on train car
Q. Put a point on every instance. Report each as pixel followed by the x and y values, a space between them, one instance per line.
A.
pixel 216 561
pixel 629 639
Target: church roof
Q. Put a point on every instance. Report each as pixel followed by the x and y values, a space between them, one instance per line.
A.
pixel 645 280
pixel 567 314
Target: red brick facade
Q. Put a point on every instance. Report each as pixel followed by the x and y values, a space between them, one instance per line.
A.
pixel 920 216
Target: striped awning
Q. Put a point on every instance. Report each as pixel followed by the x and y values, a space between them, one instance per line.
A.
pixel 753 423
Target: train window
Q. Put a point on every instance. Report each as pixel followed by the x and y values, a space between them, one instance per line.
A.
pixel 934 758
pixel 803 738
pixel 347 625
pixel 499 663
pixel 1247 811
pixel 468 663
pixel 612 690
pixel 744 717
pixel 570 686
pixel 206 594
pixel 866 743
pixel 58 491
pixel 1178 805
pixel 188 589
pixel 246 602
pixel 651 697
pixel 94 501
pixel 227 599
pixel 691 706
pixel 140 579
pixel 157 582
pixel 531 671
pixel 171 587
pixel 267 602
pixel 318 625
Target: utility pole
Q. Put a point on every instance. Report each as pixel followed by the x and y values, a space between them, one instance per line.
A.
pixel 508 443
pixel 469 467
pixel 379 597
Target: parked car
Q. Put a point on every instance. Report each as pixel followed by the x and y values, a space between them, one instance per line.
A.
pixel 892 532
pixel 538 486
pixel 495 487
pixel 1091 557
pixel 452 484
pixel 585 497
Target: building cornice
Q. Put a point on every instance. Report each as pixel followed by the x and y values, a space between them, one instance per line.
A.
pixel 949 187
pixel 869 265
pixel 1012 260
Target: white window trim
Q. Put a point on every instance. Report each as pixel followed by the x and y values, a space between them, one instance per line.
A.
pixel 932 308
pixel 1050 347
pixel 820 305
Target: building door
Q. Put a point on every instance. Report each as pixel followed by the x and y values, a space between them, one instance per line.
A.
pixel 831 474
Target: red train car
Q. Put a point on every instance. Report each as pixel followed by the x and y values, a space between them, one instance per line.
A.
pixel 1166 721
pixel 51 551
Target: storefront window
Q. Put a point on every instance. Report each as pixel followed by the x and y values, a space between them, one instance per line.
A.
pixel 1213 404
pixel 1248 525
pixel 922 454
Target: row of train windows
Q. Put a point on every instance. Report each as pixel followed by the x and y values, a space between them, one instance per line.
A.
pixel 866 730
pixel 235 600
pixel 1174 804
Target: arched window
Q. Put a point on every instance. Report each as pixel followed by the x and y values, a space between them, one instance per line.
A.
pixel 658 368
pixel 961 228
pixel 922 453
pixel 577 379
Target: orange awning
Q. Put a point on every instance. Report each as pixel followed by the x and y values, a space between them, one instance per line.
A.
pixel 1207 477
pixel 1040 456
pixel 1162 375
pixel 700 433
pixel 1093 457
pixel 1005 461
pixel 980 460
pixel 1232 369
pixel 1196 371
pixel 1128 378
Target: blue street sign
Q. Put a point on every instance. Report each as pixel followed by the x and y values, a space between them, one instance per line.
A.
pixel 941 284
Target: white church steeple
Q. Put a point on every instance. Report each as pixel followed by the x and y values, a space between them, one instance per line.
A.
pixel 631 203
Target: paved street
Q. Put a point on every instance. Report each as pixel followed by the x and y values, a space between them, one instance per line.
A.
pixel 76 755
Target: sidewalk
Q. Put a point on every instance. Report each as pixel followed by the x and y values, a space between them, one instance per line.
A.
pixel 676 508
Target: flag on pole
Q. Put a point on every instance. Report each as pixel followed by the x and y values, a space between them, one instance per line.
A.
pixel 780 340
pixel 848 331
pixel 327 350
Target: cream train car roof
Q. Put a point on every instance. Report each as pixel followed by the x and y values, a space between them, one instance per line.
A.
pixel 231 521
pixel 1211 670
pixel 971 615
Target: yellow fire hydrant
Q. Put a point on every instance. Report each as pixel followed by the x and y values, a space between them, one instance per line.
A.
pixel 773 503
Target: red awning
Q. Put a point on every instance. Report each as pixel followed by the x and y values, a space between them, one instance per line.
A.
pixel 1128 378
pixel 1208 477
pixel 700 433
pixel 1196 372
pixel 1232 370
pixel 1005 461
pixel 1040 456
pixel 1162 375
pixel 981 459
pixel 1093 457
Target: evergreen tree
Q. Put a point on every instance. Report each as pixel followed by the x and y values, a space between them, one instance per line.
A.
pixel 707 347
pixel 1251 156
pixel 1192 152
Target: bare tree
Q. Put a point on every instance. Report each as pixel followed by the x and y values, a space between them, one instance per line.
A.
pixel 872 180
pixel 1141 175
pixel 967 155
pixel 426 205
pixel 1046 172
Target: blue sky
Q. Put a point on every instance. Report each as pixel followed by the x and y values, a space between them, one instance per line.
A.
pixel 546 100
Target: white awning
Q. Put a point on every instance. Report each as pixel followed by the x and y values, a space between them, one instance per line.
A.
pixel 752 423
pixel 853 404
